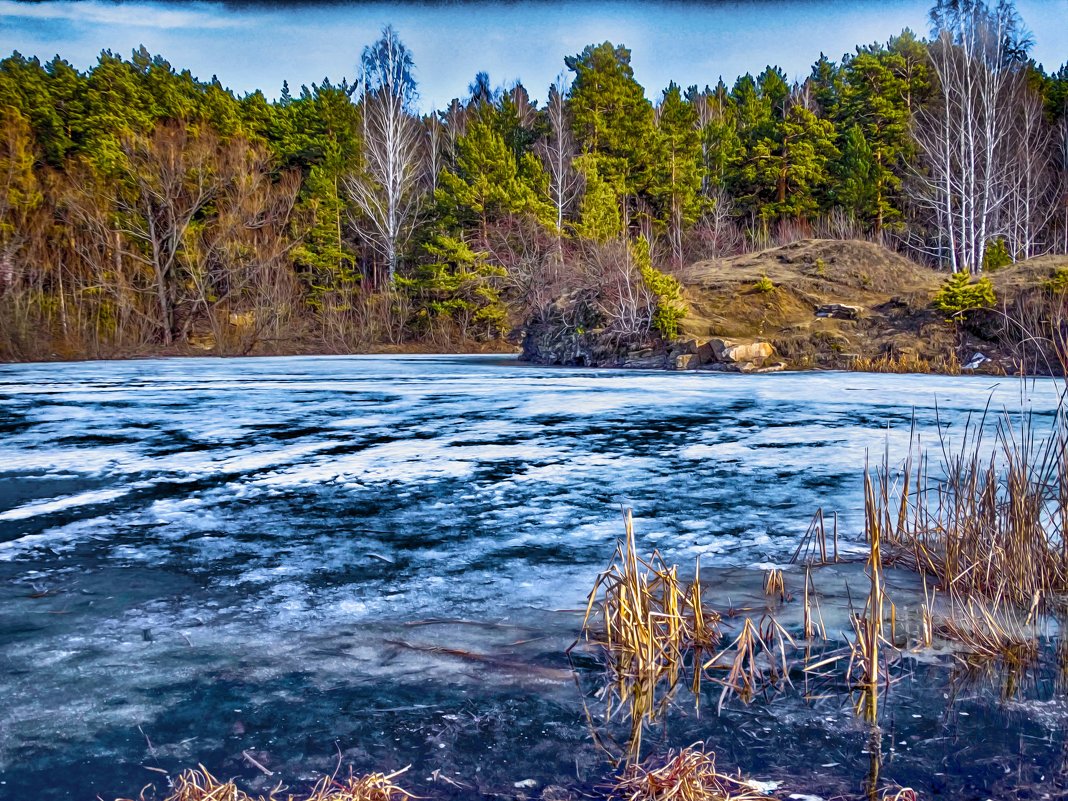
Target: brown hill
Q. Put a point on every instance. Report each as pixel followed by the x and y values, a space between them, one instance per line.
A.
pixel 776 294
pixel 829 304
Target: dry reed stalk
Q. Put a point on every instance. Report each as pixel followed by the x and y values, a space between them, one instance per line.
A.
pixel 989 631
pixel 686 775
pixel 370 787
pixel 755 658
pixel 649 619
pixel 199 785
pixel 775 583
pixel 648 622
pixel 813 626
pixel 814 543
pixel 991 526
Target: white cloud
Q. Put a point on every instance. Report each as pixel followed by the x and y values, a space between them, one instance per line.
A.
pixel 127 15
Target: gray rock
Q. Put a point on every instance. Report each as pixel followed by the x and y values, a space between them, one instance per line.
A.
pixel 839 311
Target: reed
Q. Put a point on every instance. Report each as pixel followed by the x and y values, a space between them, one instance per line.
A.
pixel 686 775
pixel 644 617
pixel 990 523
pixel 648 625
pixel 200 785
pixel 775 584
pixel 990 632
pixel 756 658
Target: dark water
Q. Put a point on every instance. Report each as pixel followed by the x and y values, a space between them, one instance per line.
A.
pixel 204 557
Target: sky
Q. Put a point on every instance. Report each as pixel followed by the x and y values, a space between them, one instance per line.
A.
pixel 256 45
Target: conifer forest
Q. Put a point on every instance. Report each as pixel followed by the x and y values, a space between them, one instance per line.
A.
pixel 143 209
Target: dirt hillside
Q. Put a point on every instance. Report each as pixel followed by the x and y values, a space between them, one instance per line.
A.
pixel 889 295
pixel 831 304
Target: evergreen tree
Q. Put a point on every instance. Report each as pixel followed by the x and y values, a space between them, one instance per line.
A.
pixel 612 119
pixel 876 94
pixel 786 173
pixel 856 187
pixel 676 175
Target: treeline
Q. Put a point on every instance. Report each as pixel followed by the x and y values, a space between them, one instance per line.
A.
pixel 141 207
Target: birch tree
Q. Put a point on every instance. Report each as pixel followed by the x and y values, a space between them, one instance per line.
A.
pixel 557 151
pixel 965 137
pixel 1031 203
pixel 389 191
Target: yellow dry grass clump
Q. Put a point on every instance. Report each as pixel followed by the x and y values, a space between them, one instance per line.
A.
pixel 200 785
pixel 993 527
pixel 686 775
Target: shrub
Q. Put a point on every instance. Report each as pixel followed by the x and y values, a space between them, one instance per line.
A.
pixel 669 308
pixel 959 295
pixel 1057 283
pixel 996 254
pixel 764 285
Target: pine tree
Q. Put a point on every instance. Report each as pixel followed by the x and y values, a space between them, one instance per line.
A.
pixel 787 173
pixel 676 175
pixel 612 119
pixel 856 187
pixel 876 96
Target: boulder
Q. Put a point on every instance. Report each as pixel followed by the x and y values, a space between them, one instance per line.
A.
pixel 733 352
pixel 687 361
pixel 838 311
pixel 705 354
pixel 633 362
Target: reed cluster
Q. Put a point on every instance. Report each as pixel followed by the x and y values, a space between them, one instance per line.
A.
pixel 644 616
pixel 200 785
pixel 686 775
pixel 992 526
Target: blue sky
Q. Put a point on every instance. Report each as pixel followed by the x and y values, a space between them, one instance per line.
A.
pixel 252 45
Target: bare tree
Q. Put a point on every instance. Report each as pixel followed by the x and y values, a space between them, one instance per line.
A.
pixel 436 149
pixel 388 193
pixel 965 137
pixel 558 152
pixel 1031 203
pixel 174 174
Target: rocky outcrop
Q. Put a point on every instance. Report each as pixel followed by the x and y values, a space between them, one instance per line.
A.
pixel 838 311
pixel 549 344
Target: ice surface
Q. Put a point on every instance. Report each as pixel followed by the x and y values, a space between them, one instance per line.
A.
pixel 170 527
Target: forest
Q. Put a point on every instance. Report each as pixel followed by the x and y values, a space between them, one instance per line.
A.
pixel 144 210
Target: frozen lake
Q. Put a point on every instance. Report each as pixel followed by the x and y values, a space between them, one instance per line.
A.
pixel 200 557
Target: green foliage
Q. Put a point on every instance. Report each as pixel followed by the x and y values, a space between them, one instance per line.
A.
pixel 996 255
pixel 599 216
pixel 458 284
pixel 786 172
pixel 764 285
pixel 669 308
pixel 959 295
pixel 1057 283
pixel 490 181
pixel 611 117
pixel 675 177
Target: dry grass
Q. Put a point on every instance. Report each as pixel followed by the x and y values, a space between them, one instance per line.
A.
pixel 907 363
pixel 775 584
pixel 991 527
pixel 686 775
pixel 755 659
pixel 647 623
pixel 200 785
pixel 990 632
pixel 646 619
